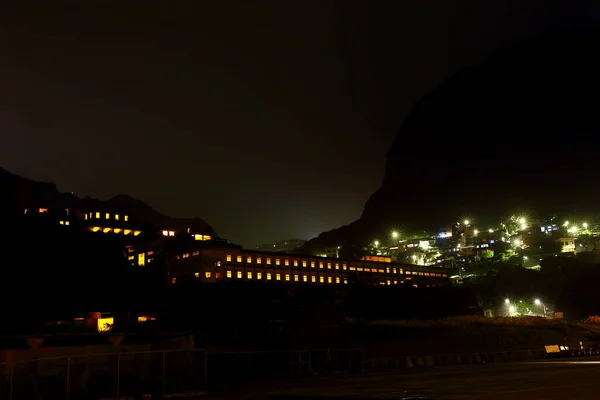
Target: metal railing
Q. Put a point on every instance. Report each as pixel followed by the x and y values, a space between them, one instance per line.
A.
pixel 112 375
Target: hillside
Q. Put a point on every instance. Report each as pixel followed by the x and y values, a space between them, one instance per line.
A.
pixel 17 193
pixel 515 134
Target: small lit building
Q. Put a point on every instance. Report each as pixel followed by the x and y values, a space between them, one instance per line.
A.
pixel 567 244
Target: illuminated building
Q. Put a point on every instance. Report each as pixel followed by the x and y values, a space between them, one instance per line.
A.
pixel 235 264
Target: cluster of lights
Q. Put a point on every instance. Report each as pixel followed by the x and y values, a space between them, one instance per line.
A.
pixel 512 309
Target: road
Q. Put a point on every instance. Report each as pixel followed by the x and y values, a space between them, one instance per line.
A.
pixel 547 380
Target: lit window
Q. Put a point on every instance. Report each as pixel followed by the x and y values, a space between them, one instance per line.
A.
pixel 277 261
pixel 304 263
pixel 278 277
pixel 207 274
pixel 344 266
pixel 337 279
pixel 295 263
pixel 268 261
pixel 321 264
pixel 287 277
pixel 259 275
pixel 394 270
pixel 389 282
pixel 249 275
pixel 106 230
pixel 304 278
pixel 313 279
pixel 345 281
pixel 238 259
pixel 173 280
pixel 117 217
pixel 43 211
pixel 329 279
pixel 415 285
pixel 328 265
pixel 171 233
pixel 268 276
pixel 287 262
pixel 249 260
pixel 130 258
pixel 321 279
pixel 387 270
pixel 228 274
pixel 165 233
pixel 218 263
pixel 117 230
pixel 126 218
pixel 62 222
pixel 97 215
pixel 239 274
pixel 135 233
pixel 296 277
pixel 197 274
pixel 107 216
pixel 141 259
pixel 228 257
pixel 395 282
pixel 25 212
pixel 312 264
pixel 186 255
pixel 337 266
pixel 258 260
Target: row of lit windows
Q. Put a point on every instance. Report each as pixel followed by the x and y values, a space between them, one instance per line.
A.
pixel 329 265
pixel 275 276
pixel 286 262
pixel 65 222
pixel 115 230
pixel 98 215
pixel 196 236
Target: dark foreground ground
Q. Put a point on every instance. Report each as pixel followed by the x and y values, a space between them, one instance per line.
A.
pixel 568 379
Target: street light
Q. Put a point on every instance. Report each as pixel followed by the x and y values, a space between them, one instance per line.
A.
pixel 395 234
pixel 585 225
pixel 512 309
pixel 376 243
pixel 467 222
pixel 490 230
pixel 475 232
pixel 538 302
pixel 506 301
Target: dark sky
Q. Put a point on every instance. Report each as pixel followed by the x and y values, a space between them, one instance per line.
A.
pixel 269 119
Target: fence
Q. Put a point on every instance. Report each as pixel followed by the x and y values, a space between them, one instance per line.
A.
pixel 159 372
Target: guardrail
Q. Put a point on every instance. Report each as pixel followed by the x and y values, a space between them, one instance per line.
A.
pixel 112 375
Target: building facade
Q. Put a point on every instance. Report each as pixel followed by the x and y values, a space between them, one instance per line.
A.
pixel 235 264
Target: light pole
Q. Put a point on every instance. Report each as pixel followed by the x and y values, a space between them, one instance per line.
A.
pixel 539 303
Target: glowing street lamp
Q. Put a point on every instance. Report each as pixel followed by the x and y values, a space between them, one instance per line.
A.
pixel 506 301
pixel 475 232
pixel 512 309
pixel 490 230
pixel 517 242
pixel 566 223
pixel 395 235
pixel 538 302
pixel 467 222
pixel 522 221
pixel 585 225
pixel 376 243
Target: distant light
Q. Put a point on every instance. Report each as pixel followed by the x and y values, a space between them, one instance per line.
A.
pixel 523 226
pixel 394 234
pixel 566 223
pixel 467 222
pixel 537 302
pixel 506 301
pixel 517 242
pixel 512 309
pixel 585 225
pixel 490 230
pixel 525 258
pixel 376 243
pixel 475 232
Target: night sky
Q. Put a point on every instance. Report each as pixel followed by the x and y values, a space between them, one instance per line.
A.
pixel 269 119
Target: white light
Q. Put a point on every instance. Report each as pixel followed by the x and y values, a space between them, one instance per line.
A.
pixel 537 302
pixel 475 232
pixel 523 226
pixel 394 234
pixel 376 243
pixel 525 258
pixel 517 242
pixel 506 301
pixel 566 223
pixel 467 222
pixel 490 230
pixel 522 221
pixel 512 309
pixel 585 225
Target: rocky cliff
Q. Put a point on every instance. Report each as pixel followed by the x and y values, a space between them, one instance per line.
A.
pixel 517 133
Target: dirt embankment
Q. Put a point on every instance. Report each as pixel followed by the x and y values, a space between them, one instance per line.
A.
pixel 467 335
